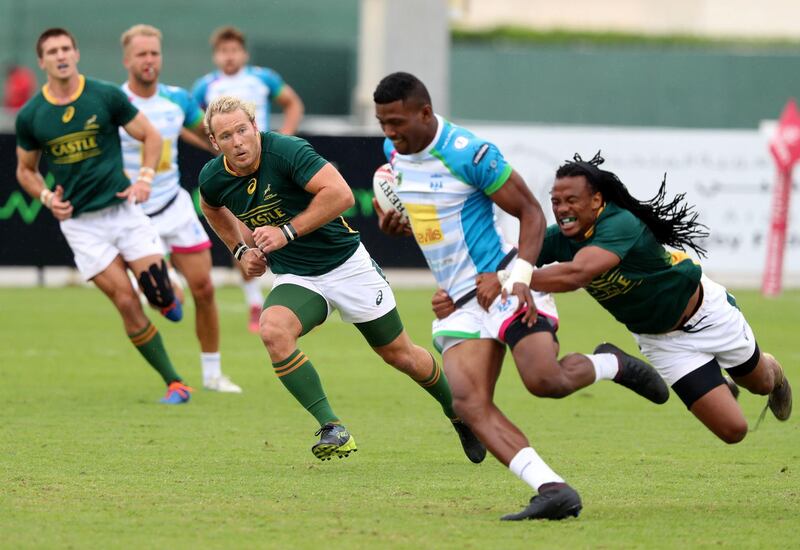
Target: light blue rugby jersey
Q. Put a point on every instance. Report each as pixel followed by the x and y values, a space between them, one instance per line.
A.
pixel 445 189
pixel 169 109
pixel 258 85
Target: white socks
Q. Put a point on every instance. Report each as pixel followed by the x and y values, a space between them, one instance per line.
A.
pixel 606 366
pixel 530 468
pixel 211 364
pixel 252 292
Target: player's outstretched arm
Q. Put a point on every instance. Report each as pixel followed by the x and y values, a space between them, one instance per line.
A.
pixel 587 264
pixel 32 182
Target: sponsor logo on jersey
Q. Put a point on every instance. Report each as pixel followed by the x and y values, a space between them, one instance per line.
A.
pixel 91 123
pixel 610 284
pixel 436 182
pixel 265 214
pixel 251 186
pixel 379 298
pixel 480 154
pixel 69 112
pixel 74 147
pixel 460 142
pixel 425 224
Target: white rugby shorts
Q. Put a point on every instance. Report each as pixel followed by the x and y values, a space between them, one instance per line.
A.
pixel 471 321
pixel 96 238
pixel 356 288
pixel 718 330
pixel 179 228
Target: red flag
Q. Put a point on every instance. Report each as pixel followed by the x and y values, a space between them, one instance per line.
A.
pixel 785 144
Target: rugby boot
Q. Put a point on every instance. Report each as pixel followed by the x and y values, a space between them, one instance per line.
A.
pixel 173 312
pixel 177 393
pixel 637 375
pixel 554 501
pixel 780 398
pixel 334 440
pixel 473 448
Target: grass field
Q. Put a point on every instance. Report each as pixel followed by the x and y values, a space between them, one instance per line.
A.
pixel 88 459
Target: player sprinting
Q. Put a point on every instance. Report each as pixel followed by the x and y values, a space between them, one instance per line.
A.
pixel 74 124
pixel 448 180
pixel 277 194
pixel 261 86
pixel 175 114
pixel 688 326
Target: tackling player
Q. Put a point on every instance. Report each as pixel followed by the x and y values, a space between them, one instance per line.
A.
pixel 74 123
pixel 170 207
pixel 277 194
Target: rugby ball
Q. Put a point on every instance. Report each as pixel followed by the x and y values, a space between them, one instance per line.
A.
pixel 383 186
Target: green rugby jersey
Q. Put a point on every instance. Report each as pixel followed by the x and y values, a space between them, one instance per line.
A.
pixel 273 195
pixel 650 287
pixel 80 141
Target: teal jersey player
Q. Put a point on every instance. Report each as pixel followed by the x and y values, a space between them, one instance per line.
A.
pixel 273 195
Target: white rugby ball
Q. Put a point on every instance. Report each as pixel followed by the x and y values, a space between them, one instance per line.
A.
pixel 383 186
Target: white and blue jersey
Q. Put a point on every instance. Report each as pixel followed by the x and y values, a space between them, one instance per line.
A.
pixel 445 189
pixel 258 85
pixel 169 109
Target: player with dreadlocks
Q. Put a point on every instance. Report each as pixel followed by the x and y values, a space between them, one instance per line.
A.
pixel 687 326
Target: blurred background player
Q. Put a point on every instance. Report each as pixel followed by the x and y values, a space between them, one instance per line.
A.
pixel 258 85
pixel 74 123
pixel 277 193
pixel 170 207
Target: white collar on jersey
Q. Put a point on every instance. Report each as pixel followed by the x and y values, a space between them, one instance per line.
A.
pixel 426 151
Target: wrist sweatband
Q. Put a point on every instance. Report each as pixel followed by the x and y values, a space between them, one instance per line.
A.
pixel 522 272
pixel 239 250
pixel 289 232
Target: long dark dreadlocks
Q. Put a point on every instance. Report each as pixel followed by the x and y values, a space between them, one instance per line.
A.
pixel 673 223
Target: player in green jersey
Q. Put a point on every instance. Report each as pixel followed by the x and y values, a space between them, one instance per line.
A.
pixel 688 326
pixel 275 193
pixel 74 123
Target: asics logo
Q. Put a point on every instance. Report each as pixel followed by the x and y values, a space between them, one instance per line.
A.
pixel 379 298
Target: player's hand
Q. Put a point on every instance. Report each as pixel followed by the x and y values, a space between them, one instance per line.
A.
pixel 442 304
pixel 392 222
pixel 269 238
pixel 253 262
pixel 61 209
pixel 488 286
pixel 525 297
pixel 139 192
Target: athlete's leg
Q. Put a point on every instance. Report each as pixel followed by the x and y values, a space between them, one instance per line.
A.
pixel 705 393
pixel 196 269
pixel 114 283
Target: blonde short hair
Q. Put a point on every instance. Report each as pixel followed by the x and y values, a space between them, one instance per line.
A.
pixel 228 104
pixel 138 30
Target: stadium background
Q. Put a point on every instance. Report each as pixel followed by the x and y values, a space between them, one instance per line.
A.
pixel 727 77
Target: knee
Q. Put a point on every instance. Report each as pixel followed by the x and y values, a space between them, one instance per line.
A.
pixel 203 291
pixel 127 303
pixel 470 409
pixel 733 432
pixel 274 335
pixel 401 359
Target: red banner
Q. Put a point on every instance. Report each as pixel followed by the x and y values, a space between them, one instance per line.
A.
pixel 785 149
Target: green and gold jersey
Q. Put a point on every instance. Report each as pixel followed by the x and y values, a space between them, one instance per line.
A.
pixel 273 195
pixel 80 141
pixel 650 287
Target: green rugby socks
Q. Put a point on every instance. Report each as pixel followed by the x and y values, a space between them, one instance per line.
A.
pixel 148 342
pixel 300 377
pixel 436 385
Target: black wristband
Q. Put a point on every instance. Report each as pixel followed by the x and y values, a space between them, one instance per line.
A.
pixel 289 231
pixel 239 250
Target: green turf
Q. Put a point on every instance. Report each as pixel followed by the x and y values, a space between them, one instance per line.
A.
pixel 88 459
